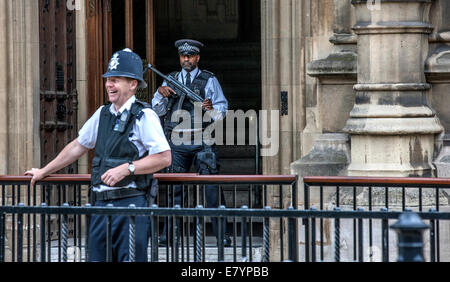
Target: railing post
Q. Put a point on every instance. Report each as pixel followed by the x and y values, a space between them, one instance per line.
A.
pixel 337 238
pixel 306 195
pixel 198 236
pixel 109 236
pixel 244 236
pixel 64 234
pixel 20 234
pixel 292 239
pixel 305 222
pixel 432 237
pixel 154 222
pixel 385 237
pixel 132 236
pixel 360 237
pixel 409 228
pixel 266 237
pixel 2 237
pixel 313 237
pixel 43 234
pixel 87 233
pixel 294 194
pixel 177 236
pixel 220 237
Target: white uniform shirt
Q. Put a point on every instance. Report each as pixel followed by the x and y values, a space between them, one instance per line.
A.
pixel 213 92
pixel 147 134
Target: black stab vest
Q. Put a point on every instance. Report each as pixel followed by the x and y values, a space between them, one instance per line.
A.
pixel 198 86
pixel 113 148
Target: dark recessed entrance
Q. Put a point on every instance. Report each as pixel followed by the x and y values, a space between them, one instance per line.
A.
pixel 230 30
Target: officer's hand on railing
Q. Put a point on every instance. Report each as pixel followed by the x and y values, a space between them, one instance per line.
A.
pixel 166 91
pixel 36 173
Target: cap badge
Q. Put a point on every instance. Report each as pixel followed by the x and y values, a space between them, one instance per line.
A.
pixel 114 62
pixel 188 48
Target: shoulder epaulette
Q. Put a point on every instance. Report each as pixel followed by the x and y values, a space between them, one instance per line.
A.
pixel 143 104
pixel 208 72
pixel 137 108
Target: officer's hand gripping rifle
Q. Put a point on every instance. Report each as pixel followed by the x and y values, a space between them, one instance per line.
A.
pixel 179 87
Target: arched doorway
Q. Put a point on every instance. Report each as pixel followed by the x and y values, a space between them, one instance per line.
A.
pixel 230 30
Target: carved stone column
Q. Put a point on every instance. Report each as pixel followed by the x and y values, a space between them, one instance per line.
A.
pixel 283 75
pixel 282 71
pixel 19 92
pixel 82 77
pixel 391 126
pixel 19 86
pixel 333 76
pixel 437 70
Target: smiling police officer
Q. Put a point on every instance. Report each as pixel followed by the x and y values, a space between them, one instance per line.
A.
pixel 129 145
pixel 167 102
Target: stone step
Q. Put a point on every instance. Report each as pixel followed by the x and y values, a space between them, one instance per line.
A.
pixel 211 255
pixel 211 252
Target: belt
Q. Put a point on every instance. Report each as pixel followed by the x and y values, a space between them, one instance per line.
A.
pixel 187 130
pixel 118 194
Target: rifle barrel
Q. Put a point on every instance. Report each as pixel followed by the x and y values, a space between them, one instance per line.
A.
pixel 191 94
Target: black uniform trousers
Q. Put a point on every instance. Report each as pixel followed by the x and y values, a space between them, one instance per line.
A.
pixel 183 156
pixel 120 234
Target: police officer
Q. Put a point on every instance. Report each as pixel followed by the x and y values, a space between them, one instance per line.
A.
pixel 186 150
pixel 129 145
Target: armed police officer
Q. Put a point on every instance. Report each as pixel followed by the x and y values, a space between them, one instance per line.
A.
pixel 186 150
pixel 129 145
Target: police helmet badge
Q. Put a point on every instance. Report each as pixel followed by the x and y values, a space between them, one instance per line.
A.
pixel 114 63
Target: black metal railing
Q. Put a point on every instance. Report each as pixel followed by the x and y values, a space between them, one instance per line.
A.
pixel 249 190
pixel 371 193
pixel 243 190
pixel 251 184
pixel 54 190
pixel 411 247
pixel 73 190
pixel 351 223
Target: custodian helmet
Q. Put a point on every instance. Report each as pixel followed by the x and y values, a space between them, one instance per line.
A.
pixel 128 64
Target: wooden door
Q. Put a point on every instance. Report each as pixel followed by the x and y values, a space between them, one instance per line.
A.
pixel 58 93
pixel 58 98
pixel 112 26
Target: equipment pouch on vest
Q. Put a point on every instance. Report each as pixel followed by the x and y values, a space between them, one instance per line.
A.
pixel 153 191
pixel 206 162
pixel 122 122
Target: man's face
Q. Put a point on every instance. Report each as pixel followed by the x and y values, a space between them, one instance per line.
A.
pixel 120 89
pixel 189 62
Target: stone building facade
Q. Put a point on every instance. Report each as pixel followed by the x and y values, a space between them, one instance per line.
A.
pixel 364 83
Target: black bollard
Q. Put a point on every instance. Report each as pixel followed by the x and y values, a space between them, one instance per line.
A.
pixel 409 228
